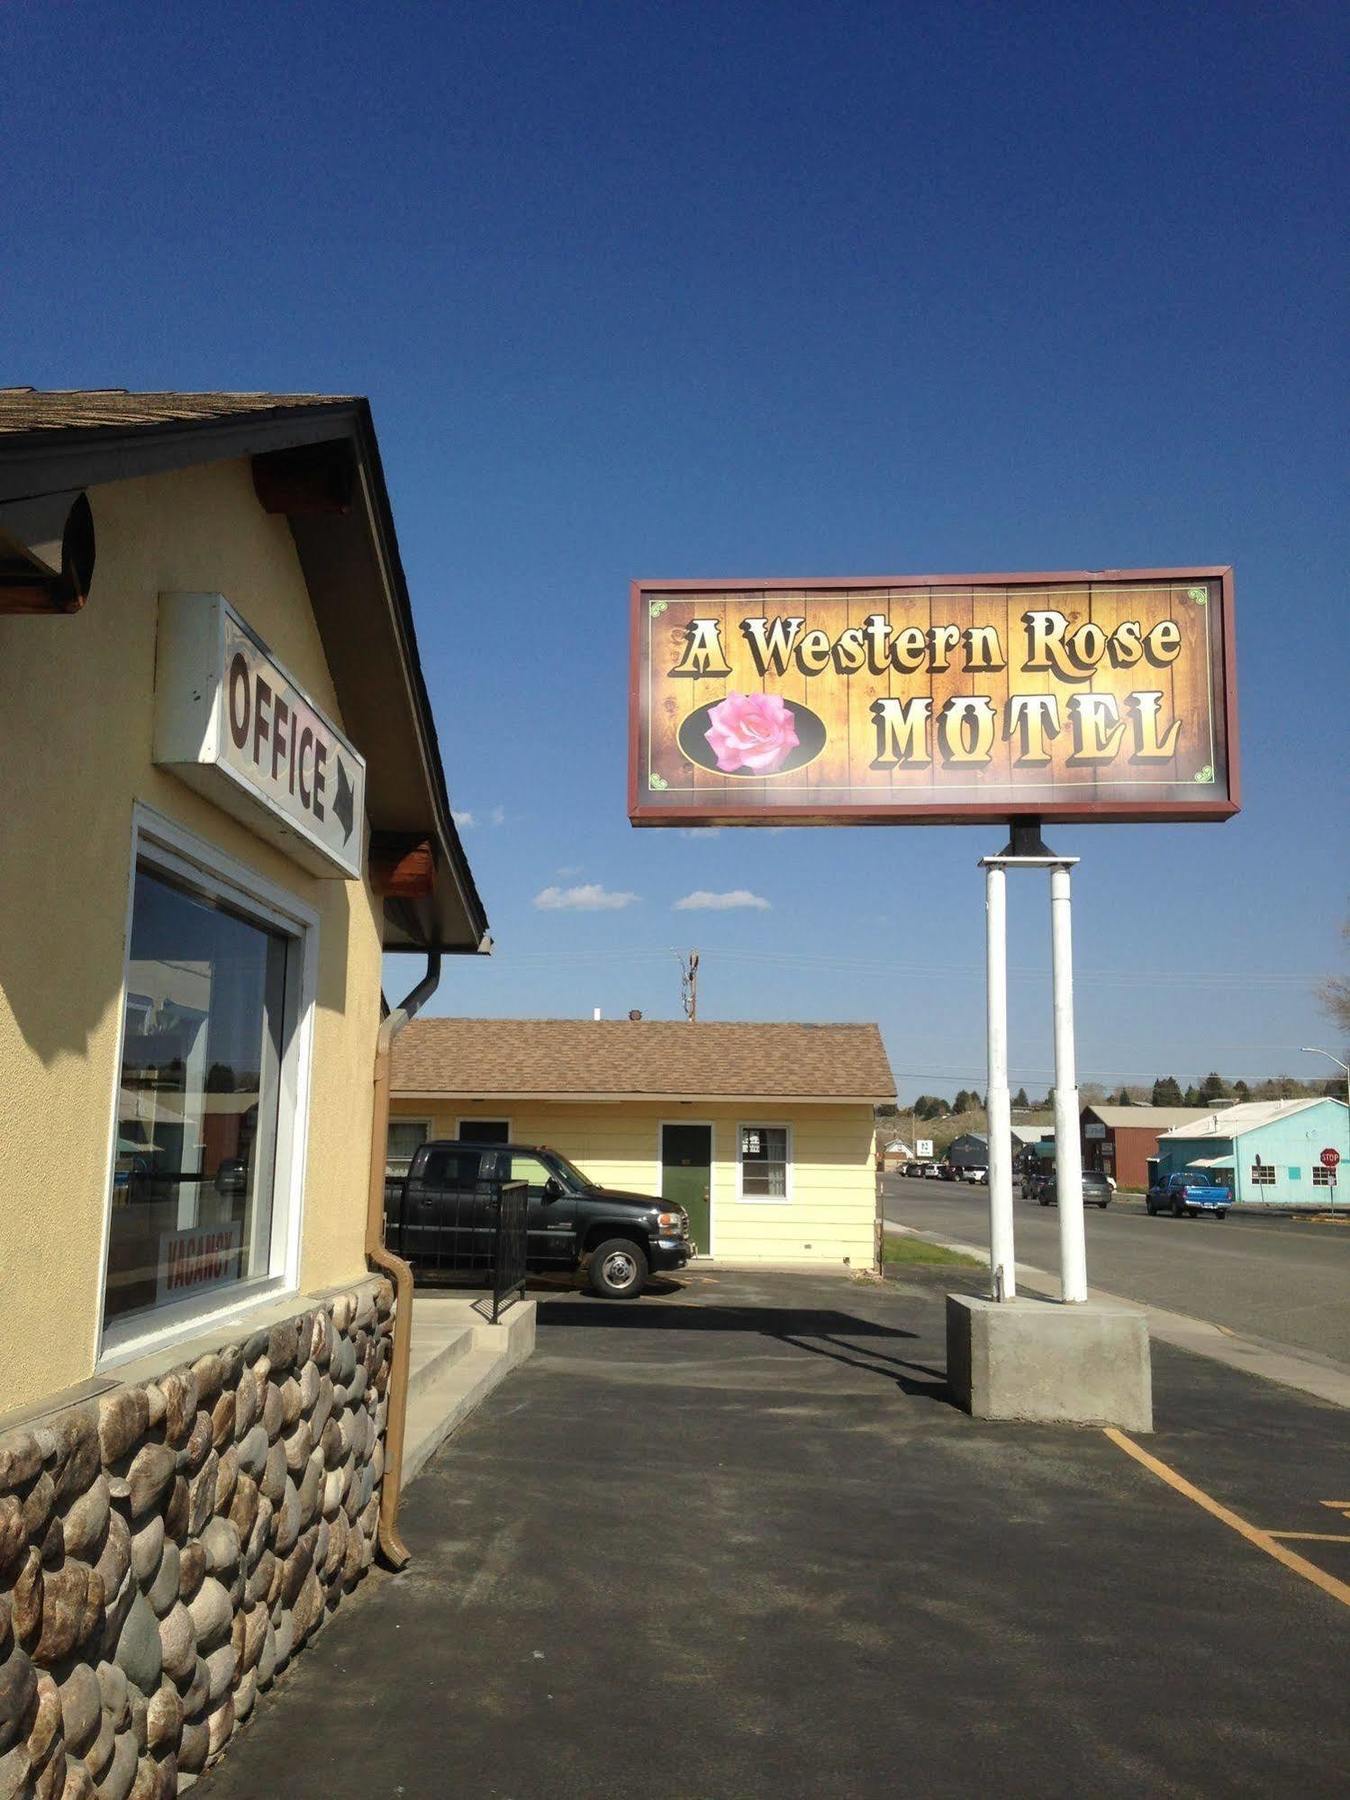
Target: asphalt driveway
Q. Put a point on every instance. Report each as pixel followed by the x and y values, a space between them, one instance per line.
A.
pixel 734 1542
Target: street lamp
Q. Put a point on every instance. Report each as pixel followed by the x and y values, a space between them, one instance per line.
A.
pixel 1312 1050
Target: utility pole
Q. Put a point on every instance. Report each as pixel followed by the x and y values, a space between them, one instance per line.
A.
pixel 689 984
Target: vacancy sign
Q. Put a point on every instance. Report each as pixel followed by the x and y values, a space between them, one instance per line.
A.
pixel 940 699
pixel 204 1257
pixel 233 724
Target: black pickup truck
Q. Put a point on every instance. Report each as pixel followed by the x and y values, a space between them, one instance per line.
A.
pixel 442 1215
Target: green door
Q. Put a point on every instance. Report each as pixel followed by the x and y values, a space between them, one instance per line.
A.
pixel 686 1177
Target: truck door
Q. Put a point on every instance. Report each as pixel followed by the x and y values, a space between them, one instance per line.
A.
pixel 438 1215
pixel 551 1227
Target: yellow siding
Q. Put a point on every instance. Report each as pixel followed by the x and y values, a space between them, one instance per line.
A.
pixel 76 713
pixel 831 1207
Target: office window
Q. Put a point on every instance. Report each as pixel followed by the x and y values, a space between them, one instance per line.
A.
pixel 1323 1177
pixel 1263 1174
pixel 764 1162
pixel 206 1095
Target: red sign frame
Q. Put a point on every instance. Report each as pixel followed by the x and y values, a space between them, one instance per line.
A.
pixel 712 799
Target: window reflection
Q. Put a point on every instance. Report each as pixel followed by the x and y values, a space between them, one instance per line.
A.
pixel 197 1113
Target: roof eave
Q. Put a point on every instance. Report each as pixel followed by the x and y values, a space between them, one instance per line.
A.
pixel 599 1098
pixel 453 919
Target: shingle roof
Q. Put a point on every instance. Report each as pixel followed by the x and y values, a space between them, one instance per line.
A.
pixel 83 409
pixel 646 1058
pixel 1234 1120
pixel 1147 1118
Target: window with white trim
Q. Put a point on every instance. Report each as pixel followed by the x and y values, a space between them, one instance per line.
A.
pixel 203 1165
pixel 764 1162
pixel 1323 1177
pixel 406 1137
pixel 1263 1174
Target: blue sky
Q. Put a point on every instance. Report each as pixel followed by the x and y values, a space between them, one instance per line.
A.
pixel 737 290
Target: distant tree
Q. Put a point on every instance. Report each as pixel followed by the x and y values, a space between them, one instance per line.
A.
pixel 962 1101
pixel 1240 1090
pixel 1123 1098
pixel 928 1106
pixel 1020 1099
pixel 1193 1097
pixel 1166 1092
pixel 1213 1088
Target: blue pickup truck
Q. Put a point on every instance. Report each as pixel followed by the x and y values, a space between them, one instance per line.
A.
pixel 1187 1193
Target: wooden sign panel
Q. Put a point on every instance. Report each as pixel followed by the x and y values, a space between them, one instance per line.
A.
pixel 943 699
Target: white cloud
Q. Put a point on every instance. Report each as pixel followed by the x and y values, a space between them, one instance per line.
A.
pixel 706 831
pixel 568 870
pixel 702 901
pixel 590 898
pixel 498 815
pixel 464 820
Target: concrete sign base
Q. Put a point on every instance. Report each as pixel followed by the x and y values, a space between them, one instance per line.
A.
pixel 1041 1360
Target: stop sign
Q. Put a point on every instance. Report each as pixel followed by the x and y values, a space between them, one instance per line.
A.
pixel 1330 1158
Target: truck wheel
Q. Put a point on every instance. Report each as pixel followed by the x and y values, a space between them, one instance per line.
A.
pixel 1178 1207
pixel 1150 1209
pixel 618 1269
pixel 1220 1212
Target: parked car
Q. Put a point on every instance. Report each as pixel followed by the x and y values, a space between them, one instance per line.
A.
pixel 1041 1186
pixel 929 1171
pixel 977 1174
pixel 948 1171
pixel 443 1214
pixel 1187 1193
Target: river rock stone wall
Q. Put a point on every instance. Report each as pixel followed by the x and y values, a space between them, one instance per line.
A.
pixel 167 1548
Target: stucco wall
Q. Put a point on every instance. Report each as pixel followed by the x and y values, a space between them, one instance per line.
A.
pixel 76 719
pixel 831 1206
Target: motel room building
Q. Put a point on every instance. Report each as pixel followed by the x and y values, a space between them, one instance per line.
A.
pixel 224 805
pixel 765 1132
pixel 1271 1151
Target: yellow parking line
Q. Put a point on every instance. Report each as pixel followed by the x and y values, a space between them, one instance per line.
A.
pixel 1263 1540
pixel 1316 1537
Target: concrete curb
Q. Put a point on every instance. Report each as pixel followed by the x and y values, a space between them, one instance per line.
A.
pixel 1320 1377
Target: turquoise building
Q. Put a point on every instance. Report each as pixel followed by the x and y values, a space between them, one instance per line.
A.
pixel 1271 1150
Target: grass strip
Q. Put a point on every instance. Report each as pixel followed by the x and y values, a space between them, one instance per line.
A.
pixel 919 1250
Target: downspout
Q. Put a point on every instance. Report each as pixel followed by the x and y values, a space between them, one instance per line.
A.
pixel 390 1544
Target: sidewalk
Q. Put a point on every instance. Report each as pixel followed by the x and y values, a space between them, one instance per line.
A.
pixel 735 1542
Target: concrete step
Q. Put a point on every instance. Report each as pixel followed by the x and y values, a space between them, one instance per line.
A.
pixel 457 1358
pixel 433 1351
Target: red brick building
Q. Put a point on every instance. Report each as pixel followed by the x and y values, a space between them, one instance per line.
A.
pixel 1119 1140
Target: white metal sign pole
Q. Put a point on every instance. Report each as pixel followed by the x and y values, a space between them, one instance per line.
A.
pixel 1002 1262
pixel 1068 1152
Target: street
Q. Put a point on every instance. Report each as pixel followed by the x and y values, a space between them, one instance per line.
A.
pixel 1285 1280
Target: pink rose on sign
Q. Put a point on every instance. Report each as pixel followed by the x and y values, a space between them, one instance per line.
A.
pixel 751 731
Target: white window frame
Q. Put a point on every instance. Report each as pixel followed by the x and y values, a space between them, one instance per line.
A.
pixel 711 1126
pixel 1322 1176
pixel 404 1119
pixel 160 843
pixel 757 1124
pixel 484 1119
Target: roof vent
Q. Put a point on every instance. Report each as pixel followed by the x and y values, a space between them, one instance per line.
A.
pixel 635 1015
